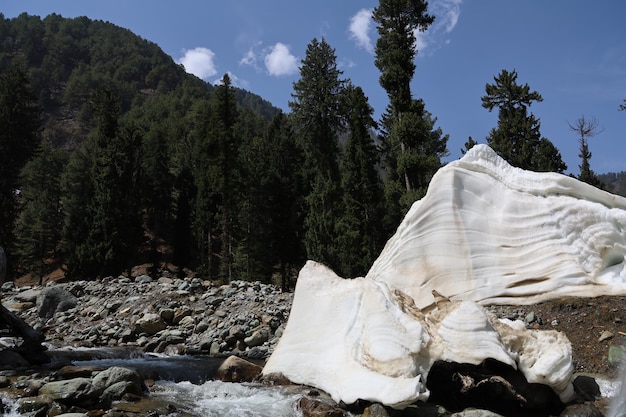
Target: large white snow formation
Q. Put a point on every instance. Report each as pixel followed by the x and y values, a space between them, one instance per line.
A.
pixel 493 233
pixel 484 233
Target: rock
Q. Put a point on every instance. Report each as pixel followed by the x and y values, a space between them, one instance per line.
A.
pixel 54 299
pixel 375 410
pixel 235 369
pixel 4 381
pixel 617 355
pixel 606 335
pixel 71 371
pixel 150 323
pixel 314 408
pixel 118 390
pixel 258 337
pixel 117 374
pixel 588 409
pixel 586 387
pixel 34 406
pixel 78 391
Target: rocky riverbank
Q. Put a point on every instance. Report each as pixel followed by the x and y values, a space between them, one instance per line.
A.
pixel 195 317
pixel 164 315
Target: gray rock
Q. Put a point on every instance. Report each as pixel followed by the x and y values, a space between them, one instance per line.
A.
pixel 75 391
pixel 54 299
pixel 116 374
pixel 150 323
pixel 258 337
pixel 143 279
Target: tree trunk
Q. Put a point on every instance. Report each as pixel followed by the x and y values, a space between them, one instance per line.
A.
pixel 32 338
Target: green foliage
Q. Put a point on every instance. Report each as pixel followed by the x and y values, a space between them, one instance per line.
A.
pixel 316 112
pixel 216 178
pixel 517 138
pixel 19 138
pixel 109 206
pixel 40 222
pixel 397 21
pixel 359 227
pixel 413 147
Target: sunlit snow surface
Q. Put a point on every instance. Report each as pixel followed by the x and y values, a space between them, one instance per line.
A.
pixel 484 233
pixel 492 233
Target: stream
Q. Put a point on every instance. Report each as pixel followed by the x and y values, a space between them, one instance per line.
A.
pixel 183 384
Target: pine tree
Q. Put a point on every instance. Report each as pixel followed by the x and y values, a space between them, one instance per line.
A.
pixel 19 138
pixel 359 226
pixel 517 137
pixel 113 231
pixel 316 113
pixel 413 147
pixel 216 179
pixel 41 220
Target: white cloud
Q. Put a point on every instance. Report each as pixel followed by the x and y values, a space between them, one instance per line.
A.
pixel 199 62
pixel 279 61
pixel 451 10
pixel 234 81
pixel 360 29
pixel 251 57
pixel 447 13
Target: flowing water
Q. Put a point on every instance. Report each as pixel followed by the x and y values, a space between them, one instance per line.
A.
pixel 184 382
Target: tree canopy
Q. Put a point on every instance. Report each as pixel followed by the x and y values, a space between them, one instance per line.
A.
pixel 517 137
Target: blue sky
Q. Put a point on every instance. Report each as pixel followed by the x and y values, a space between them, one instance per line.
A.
pixel 572 52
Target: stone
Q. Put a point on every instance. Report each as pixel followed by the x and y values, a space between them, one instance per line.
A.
pixel 617 355
pixel 150 323
pixel 54 299
pixel 605 335
pixel 258 337
pixel 73 391
pixel 375 410
pixel 308 407
pixel 116 374
pixel 235 369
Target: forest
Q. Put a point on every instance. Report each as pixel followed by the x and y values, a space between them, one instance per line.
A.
pixel 111 155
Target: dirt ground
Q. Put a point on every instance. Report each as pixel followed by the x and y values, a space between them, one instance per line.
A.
pixel 585 321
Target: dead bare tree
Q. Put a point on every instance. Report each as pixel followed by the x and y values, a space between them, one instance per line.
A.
pixel 586 128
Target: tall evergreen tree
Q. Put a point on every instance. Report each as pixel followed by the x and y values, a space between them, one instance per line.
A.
pixel 113 232
pixel 19 138
pixel 316 113
pixel 517 137
pixel 216 179
pixel 359 226
pixel 41 219
pixel 413 147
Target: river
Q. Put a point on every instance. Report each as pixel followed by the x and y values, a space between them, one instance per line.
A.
pixel 183 384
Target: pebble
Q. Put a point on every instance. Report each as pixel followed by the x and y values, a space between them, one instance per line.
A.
pixel 197 316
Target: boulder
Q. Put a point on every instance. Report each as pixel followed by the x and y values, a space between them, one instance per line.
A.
pixel 54 299
pixel 150 323
pixel 235 369
pixel 76 391
pixel 117 374
pixel 308 407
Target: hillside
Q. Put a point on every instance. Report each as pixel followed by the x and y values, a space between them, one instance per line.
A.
pixel 66 59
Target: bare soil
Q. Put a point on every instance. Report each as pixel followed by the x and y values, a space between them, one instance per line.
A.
pixel 584 321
